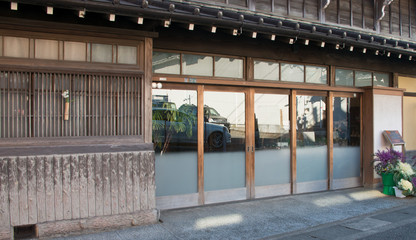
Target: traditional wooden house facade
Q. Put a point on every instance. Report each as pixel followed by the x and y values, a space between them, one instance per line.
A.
pixel 112 110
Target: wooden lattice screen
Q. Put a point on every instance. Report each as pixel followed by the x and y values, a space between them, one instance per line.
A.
pixel 32 105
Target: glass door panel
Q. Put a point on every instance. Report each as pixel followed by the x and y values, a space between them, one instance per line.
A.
pixel 224 146
pixel 272 139
pixel 346 138
pixel 174 125
pixel 312 150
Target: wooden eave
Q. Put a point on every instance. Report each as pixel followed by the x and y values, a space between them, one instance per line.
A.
pixel 230 18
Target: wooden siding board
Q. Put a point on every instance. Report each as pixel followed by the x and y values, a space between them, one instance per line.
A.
pixel 91 184
pixel 4 195
pixel 368 15
pixel 104 201
pixel 75 186
pixel 311 10
pixel 13 192
pixel 404 12
pixel 357 13
pixel 40 188
pixel 83 186
pixel 263 5
pixel 136 181
pixel 31 190
pixel 395 18
pixel 280 7
pixel 49 189
pixel 57 180
pixel 151 191
pixel 129 182
pixel 296 8
pixel 114 183
pixel 331 15
pixel 143 166
pixel 345 12
pixel 66 187
pixel 121 183
pixel 22 186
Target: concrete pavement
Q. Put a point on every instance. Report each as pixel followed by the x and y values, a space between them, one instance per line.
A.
pixel 344 214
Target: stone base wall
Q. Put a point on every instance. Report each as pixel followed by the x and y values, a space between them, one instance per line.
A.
pixel 60 194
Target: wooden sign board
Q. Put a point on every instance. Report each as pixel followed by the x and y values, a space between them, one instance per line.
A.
pixel 394 137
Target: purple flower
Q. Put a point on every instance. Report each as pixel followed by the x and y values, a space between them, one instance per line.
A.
pixel 387 159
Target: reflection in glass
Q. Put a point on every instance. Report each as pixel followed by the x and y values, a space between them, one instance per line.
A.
pixel 126 54
pixel 292 72
pixel 168 63
pixel 346 114
pixel 311 151
pixel 344 77
pixel 363 79
pixel 316 75
pixel 272 159
pixel 175 141
pixel 197 65
pixel 224 140
pixel 266 70
pixel 228 67
pixel 381 79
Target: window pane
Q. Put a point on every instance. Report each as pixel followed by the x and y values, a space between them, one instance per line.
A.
pixel 127 54
pixel 168 63
pixel 381 79
pixel 224 137
pixel 311 151
pixel 266 70
pixel 75 51
pixel 175 138
pixel 346 138
pixel 197 65
pixel 228 67
pixel 344 77
pixel 46 49
pixel 272 155
pixel 316 75
pixel 102 53
pixel 363 79
pixel 292 72
pixel 16 47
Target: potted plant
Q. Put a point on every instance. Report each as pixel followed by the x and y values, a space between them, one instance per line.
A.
pixel 385 166
pixel 404 178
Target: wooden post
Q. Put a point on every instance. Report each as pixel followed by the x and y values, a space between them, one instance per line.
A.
pixel 330 137
pixel 292 113
pixel 200 99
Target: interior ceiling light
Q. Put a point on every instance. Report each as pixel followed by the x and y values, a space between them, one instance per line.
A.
pixel 273 37
pixel 400 55
pixel 351 48
pixel 337 46
pixel 235 31
pixel 377 52
pixel 364 50
pixel 322 44
pixel 306 42
pixel 254 35
pixel 291 41
pixel 213 29
pixel 410 58
pixel 388 54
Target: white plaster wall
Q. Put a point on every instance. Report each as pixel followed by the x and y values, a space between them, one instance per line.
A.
pixel 387 116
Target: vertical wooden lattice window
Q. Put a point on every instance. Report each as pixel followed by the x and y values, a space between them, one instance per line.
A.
pixel 32 105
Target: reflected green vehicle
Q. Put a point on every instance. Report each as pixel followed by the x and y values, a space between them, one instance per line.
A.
pixel 171 126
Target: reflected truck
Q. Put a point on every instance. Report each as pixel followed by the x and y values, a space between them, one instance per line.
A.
pixel 210 114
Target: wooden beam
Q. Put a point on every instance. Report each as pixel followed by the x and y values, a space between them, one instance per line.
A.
pixel 330 137
pixel 200 99
pixel 292 113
